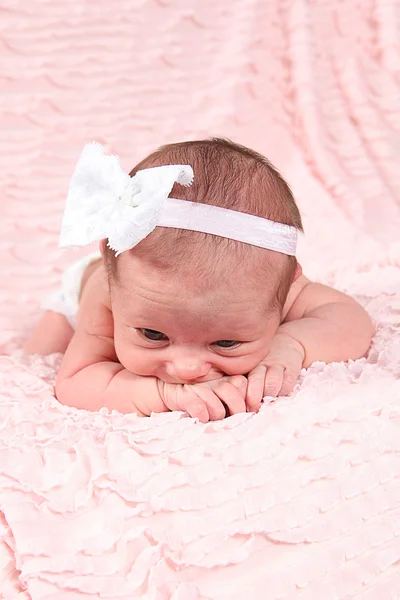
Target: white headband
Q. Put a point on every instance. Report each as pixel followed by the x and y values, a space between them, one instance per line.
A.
pixel 105 202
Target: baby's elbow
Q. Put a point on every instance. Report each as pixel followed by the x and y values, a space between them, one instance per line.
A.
pixel 362 335
pixel 67 392
pixel 62 392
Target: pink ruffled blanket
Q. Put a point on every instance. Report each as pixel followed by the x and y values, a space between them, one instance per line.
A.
pixel 301 501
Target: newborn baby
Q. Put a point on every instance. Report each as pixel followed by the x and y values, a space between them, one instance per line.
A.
pixel 196 302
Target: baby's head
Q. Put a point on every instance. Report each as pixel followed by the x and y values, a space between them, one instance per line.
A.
pixel 191 306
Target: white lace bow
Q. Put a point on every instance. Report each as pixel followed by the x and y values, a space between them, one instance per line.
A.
pixel 105 202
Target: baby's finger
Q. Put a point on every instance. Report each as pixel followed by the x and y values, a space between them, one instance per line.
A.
pixel 255 388
pixel 289 381
pixel 274 380
pixel 193 405
pixel 215 408
pixel 240 383
pixel 231 397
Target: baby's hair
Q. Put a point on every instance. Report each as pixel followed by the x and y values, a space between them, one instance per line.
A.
pixel 231 176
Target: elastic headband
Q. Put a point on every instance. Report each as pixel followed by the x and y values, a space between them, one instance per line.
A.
pixel 227 223
pixel 105 202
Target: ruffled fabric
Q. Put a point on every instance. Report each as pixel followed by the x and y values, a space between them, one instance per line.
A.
pixel 302 498
pixel 301 501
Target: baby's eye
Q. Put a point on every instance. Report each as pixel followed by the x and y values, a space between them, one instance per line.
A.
pixel 153 335
pixel 226 343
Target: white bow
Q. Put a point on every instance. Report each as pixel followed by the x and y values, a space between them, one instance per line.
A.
pixel 105 202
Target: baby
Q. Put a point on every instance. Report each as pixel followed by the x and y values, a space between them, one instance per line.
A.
pixel 196 301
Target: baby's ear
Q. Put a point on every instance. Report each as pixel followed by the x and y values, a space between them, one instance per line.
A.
pixel 298 273
pixel 102 247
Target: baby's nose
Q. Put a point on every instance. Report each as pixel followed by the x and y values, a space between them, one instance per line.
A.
pixel 187 369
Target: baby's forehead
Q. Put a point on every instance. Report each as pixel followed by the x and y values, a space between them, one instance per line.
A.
pixel 187 316
pixel 151 295
pixel 204 282
pixel 158 300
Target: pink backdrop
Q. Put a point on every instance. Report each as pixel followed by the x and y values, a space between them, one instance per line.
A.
pixel 314 85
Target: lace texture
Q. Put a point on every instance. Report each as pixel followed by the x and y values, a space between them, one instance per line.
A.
pixel 105 202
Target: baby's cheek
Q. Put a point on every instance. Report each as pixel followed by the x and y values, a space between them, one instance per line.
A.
pixel 242 364
pixel 131 356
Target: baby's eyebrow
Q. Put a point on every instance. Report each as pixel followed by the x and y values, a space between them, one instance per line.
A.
pixel 141 324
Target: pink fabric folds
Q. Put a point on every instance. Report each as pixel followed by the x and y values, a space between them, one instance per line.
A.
pixel 301 501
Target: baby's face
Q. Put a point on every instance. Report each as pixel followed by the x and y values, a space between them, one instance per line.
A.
pixel 167 328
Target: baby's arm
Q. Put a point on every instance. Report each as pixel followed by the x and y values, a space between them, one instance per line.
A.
pixel 321 325
pixel 329 325
pixel 90 376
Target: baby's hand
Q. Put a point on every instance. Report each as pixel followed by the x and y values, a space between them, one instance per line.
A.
pixel 277 373
pixel 208 401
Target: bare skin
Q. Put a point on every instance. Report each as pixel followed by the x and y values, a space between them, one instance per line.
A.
pixel 110 362
pixel 53 332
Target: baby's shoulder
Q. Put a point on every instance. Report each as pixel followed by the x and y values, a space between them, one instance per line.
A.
pixel 94 314
pixel 289 312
